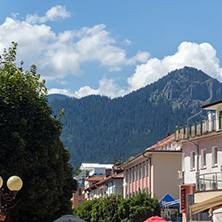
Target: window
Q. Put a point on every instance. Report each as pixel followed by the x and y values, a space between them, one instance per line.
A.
pixel 143 169
pixel 203 158
pixel 132 174
pixel 170 146
pixel 129 176
pixel 192 160
pixel 214 156
pixel 80 191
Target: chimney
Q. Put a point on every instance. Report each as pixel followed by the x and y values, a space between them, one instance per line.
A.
pixel 108 172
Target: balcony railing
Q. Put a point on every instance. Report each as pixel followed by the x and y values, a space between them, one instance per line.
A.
pixel 199 128
pixel 210 181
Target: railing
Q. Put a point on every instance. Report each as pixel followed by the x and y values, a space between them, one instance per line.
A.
pixel 199 128
pixel 210 181
pixel 173 219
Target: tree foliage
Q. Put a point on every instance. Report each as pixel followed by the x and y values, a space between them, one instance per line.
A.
pixel 30 144
pixel 106 209
pixel 138 208
pixel 136 121
pixel 114 208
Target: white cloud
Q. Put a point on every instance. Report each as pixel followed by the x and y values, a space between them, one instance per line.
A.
pixel 53 14
pixel 96 44
pixel 58 55
pixel 107 87
pixel 62 54
pixel 201 56
pixel 61 91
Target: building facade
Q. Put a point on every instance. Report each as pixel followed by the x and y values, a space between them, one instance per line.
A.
pixel 201 175
pixel 78 197
pixel 154 170
pixel 111 183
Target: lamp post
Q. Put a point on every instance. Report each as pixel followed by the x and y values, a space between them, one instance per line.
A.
pixel 14 184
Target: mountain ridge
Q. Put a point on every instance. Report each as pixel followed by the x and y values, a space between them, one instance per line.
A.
pixel 99 129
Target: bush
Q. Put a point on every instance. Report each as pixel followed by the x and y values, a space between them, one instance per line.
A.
pixel 115 208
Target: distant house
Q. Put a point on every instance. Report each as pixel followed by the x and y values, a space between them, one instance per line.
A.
pixel 79 197
pixel 155 170
pixel 96 172
pixel 96 169
pixel 201 175
pixel 111 183
pixel 91 173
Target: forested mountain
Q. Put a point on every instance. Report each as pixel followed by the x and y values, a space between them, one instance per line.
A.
pixel 99 129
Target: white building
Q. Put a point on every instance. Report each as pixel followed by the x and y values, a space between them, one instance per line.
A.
pixel 95 169
pixel 201 175
pixel 111 183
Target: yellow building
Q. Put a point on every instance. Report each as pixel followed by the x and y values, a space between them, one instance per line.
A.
pixel 155 170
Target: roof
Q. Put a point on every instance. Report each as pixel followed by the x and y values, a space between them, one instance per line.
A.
pixel 113 176
pixel 152 149
pixel 162 142
pixel 106 179
pixel 119 175
pixel 213 105
pixel 94 179
pixel 91 166
pixel 141 155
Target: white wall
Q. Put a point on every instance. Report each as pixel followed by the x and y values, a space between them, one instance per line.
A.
pixel 204 142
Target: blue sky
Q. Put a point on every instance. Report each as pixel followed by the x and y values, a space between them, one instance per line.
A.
pixel 112 47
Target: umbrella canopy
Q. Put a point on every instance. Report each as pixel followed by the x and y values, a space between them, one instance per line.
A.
pixel 155 219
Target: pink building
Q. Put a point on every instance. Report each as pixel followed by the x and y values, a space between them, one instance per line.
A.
pixel 154 170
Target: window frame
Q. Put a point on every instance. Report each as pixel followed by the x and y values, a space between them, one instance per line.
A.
pixel 192 160
pixel 203 158
pixel 214 155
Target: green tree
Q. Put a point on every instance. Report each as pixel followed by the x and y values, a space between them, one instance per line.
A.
pixel 84 211
pixel 30 144
pixel 114 208
pixel 138 208
pixel 106 209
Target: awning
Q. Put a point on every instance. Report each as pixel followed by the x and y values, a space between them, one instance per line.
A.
pixel 215 203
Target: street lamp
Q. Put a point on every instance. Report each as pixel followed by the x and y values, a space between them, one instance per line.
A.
pixel 14 184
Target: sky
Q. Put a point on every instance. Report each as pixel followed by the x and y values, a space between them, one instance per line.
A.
pixel 111 48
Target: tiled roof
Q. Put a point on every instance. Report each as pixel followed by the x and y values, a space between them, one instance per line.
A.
pixel 162 142
pixel 94 179
pixel 106 179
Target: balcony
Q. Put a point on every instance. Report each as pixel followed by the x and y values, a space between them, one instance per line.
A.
pixel 197 129
pixel 210 181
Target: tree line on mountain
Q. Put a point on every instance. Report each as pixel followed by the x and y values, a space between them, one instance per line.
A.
pixel 99 129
